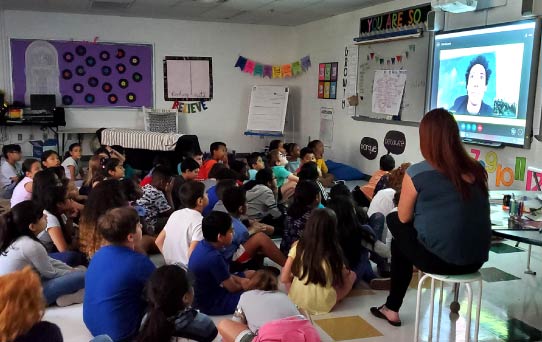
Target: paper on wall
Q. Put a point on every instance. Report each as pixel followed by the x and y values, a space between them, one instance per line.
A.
pixel 326 126
pixel 388 90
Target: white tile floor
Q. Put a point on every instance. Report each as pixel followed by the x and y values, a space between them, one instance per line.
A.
pixel 511 310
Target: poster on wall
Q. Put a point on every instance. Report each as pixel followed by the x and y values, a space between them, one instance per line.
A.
pixel 83 74
pixel 326 126
pixel 188 78
pixel 327 80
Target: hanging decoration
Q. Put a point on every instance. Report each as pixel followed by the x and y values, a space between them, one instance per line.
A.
pixel 189 107
pixel 391 60
pixel 273 71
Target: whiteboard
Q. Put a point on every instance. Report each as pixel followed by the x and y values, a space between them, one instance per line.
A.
pixel 411 56
pixel 267 109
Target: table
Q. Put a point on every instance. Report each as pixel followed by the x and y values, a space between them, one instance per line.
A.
pixel 527 231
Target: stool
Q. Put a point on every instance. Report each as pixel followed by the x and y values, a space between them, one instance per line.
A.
pixel 466 279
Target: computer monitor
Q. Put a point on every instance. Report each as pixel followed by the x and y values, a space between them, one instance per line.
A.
pixel 45 102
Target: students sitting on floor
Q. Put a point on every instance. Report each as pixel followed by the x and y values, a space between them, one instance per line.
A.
pixel 189 169
pixel 20 247
pixel 10 170
pixel 169 294
pixel 157 199
pixel 113 169
pixel 245 245
pixel 262 304
pixel 116 277
pixel 182 231
pixel 306 155
pixel 315 273
pixel 23 189
pixel 220 187
pixel 71 162
pixel 306 198
pixel 105 196
pixel 318 148
pixel 255 162
pixel 222 174
pixel 18 290
pixel 219 154
pixel 241 168
pixel 286 181
pixel 59 236
pixel 293 155
pixel 364 194
pixel 262 200
pixel 217 291
pixel 309 171
pixel 49 159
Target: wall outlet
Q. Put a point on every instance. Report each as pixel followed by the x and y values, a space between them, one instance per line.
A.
pixel 19 137
pixel 31 136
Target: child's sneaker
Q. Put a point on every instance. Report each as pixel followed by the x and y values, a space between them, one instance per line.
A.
pixel 72 298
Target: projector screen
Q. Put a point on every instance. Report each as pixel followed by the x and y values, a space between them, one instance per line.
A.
pixel 486 77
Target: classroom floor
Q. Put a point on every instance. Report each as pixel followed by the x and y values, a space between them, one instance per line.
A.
pixel 511 308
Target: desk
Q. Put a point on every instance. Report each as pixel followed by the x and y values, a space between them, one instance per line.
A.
pixel 528 231
pixel 61 133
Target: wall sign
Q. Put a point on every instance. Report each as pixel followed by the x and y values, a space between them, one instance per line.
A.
pixel 83 74
pixel 327 80
pixel 408 17
pixel 188 78
pixel 395 142
pixel 368 148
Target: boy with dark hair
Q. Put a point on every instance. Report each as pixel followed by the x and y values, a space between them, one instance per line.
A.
pixel 217 292
pixel 306 155
pixel 363 195
pixel 220 187
pixel 182 231
pixel 245 246
pixel 115 278
pixel 157 199
pixel 255 162
pixel 219 154
pixel 189 169
pixel 10 170
pixel 221 174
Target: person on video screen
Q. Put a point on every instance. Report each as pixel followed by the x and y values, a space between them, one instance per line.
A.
pixel 477 76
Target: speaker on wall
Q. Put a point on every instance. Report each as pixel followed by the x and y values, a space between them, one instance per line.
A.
pixel 531 7
pixel 59 116
pixel 435 20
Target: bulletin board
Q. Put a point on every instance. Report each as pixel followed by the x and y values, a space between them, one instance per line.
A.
pixel 267 110
pixel 83 74
pixel 188 78
pixel 410 55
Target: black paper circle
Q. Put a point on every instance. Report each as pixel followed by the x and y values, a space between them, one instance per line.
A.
pixel 80 50
pixel 104 55
pixel 121 68
pixel 112 98
pixel 395 142
pixel 68 57
pixel 134 60
pixel 123 83
pixel 67 100
pixel 91 61
pixel 106 70
pixel 130 97
pixel 89 98
pixel 78 88
pixel 107 87
pixel 368 148
pixel 80 70
pixel 93 82
pixel 67 74
pixel 137 77
pixel 120 53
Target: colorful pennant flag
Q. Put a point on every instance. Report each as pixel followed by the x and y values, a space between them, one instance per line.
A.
pixel 273 71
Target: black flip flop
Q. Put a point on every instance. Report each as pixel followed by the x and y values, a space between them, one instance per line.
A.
pixel 376 312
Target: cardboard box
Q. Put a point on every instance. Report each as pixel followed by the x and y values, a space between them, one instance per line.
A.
pixel 39 146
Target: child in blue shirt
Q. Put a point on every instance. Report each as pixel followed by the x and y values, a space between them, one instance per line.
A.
pixel 115 279
pixel 217 292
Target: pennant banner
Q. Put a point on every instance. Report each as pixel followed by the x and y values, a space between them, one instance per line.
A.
pixel 273 71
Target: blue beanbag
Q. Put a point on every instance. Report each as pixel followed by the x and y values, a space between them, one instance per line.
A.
pixel 343 171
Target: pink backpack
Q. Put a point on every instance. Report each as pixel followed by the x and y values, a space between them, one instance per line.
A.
pixel 289 329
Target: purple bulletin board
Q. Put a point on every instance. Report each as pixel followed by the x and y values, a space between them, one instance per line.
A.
pixel 84 74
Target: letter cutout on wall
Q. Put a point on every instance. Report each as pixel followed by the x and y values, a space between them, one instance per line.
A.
pixel 395 142
pixel 368 148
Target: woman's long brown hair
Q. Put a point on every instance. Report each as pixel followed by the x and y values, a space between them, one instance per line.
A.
pixel 441 146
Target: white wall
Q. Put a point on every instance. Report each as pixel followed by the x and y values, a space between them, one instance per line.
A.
pixel 226 117
pixel 325 41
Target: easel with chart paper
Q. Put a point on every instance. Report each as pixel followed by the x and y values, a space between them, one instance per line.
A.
pixel 267 110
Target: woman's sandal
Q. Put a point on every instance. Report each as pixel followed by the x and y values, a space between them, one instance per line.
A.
pixel 377 313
